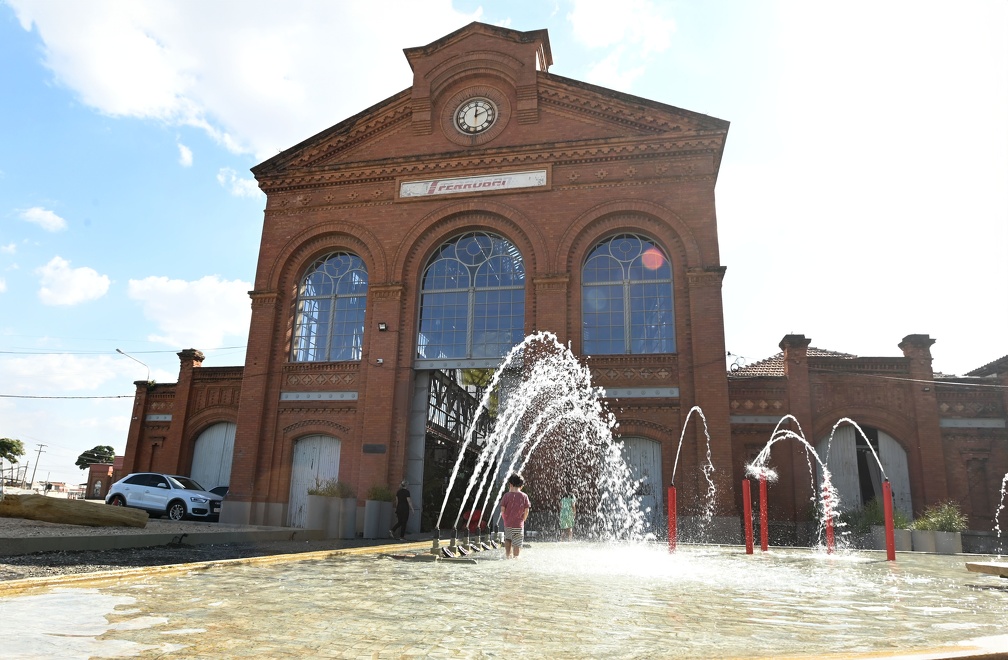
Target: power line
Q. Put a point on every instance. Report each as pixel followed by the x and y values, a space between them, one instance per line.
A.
pixel 28 396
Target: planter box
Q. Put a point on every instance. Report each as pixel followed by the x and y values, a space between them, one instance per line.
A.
pixel 372 519
pixel 316 512
pixel 923 540
pixel 948 543
pixel 348 517
pixel 903 538
pixel 334 521
pixel 386 517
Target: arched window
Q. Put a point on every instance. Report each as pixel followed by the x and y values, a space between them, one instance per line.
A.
pixel 626 298
pixel 472 299
pixel 332 297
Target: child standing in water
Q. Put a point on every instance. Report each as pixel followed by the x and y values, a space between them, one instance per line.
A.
pixel 567 511
pixel 515 507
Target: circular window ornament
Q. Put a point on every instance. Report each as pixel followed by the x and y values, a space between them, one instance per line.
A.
pixel 474 115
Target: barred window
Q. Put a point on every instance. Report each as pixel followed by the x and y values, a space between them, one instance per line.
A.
pixel 472 299
pixel 332 297
pixel 626 298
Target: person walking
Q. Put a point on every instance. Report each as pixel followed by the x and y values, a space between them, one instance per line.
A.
pixel 568 508
pixel 515 508
pixel 403 507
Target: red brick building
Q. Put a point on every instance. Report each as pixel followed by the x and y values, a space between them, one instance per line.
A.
pixel 430 232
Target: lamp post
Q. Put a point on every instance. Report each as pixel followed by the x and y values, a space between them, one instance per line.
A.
pixel 121 352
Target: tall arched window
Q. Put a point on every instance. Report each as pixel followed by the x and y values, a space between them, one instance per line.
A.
pixel 626 298
pixel 472 299
pixel 332 297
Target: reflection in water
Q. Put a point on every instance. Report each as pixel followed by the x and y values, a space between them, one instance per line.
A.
pixel 558 600
pixel 70 623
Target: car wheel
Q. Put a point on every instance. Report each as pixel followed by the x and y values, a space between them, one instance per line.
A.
pixel 176 510
pixel 117 500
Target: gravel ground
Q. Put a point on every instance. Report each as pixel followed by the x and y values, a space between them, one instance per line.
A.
pixel 66 562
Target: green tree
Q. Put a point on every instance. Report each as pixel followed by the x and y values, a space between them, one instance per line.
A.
pixel 11 450
pixel 100 454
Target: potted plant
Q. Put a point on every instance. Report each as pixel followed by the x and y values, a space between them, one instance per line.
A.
pixel 866 527
pixel 946 522
pixel 377 511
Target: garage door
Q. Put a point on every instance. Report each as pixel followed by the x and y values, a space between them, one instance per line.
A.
pixel 211 464
pixel 316 459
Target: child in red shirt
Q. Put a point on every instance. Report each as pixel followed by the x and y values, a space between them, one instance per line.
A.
pixel 515 507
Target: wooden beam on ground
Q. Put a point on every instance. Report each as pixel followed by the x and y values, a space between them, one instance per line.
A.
pixel 989 567
pixel 70 512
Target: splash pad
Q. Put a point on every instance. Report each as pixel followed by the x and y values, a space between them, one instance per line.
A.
pixel 572 599
pixel 560 600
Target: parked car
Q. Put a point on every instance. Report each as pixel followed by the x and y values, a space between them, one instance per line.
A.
pixel 165 494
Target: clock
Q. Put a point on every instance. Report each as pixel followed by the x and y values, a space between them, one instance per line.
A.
pixel 475 115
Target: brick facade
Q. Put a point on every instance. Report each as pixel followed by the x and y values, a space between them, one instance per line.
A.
pixel 612 163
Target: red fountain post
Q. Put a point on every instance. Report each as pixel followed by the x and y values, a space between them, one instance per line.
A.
pixel 762 514
pixel 671 519
pixel 830 540
pixel 890 535
pixel 747 512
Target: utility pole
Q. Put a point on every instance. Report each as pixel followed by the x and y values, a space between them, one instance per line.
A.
pixel 37 456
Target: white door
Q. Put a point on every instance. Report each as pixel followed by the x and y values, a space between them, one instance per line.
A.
pixel 643 457
pixel 211 463
pixel 316 459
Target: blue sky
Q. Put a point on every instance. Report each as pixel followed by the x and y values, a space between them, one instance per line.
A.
pixel 863 194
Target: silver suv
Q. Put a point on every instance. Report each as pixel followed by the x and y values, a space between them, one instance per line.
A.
pixel 165 494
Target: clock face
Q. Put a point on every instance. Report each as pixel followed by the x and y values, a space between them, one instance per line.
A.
pixel 475 116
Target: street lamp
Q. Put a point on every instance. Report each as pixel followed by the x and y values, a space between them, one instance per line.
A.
pixel 121 352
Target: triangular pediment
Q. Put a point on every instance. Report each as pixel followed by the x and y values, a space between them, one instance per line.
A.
pixel 536 108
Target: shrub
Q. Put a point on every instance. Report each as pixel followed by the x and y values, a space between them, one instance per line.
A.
pixel 860 521
pixel 331 488
pixel 944 517
pixel 379 493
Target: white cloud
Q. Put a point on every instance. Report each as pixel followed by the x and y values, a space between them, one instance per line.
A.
pixel 612 73
pixel 633 31
pixel 63 285
pixel 198 314
pixel 236 185
pixel 3 285
pixel 185 155
pixel 44 218
pixel 54 374
pixel 10 248
pixel 640 23
pixel 256 75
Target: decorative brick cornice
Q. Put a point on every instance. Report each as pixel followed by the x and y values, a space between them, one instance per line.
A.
pixel 709 276
pixel 595 151
pixel 392 291
pixel 611 112
pixel 316 423
pixel 552 282
pixel 264 298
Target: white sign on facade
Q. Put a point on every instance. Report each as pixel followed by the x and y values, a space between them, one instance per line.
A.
pixel 466 184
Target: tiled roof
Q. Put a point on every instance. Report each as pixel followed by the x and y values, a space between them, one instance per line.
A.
pixel 991 368
pixel 774 366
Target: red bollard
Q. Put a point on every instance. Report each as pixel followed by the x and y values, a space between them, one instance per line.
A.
pixel 830 541
pixel 890 534
pixel 762 514
pixel 747 512
pixel 671 519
